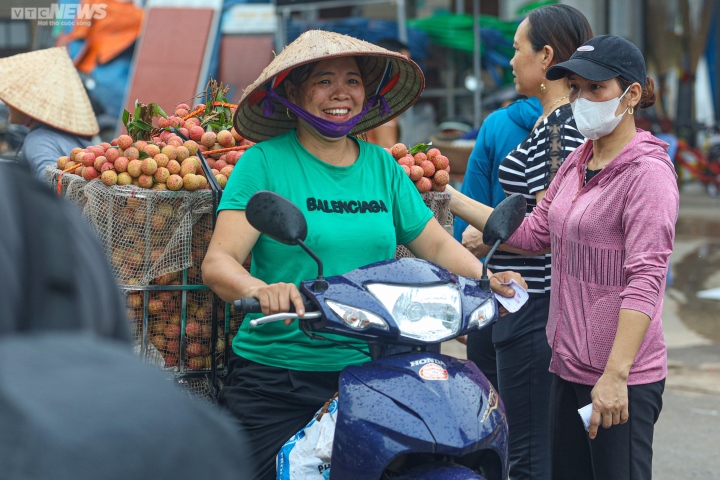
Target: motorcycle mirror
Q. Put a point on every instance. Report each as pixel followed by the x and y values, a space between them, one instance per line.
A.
pixel 505 219
pixel 276 217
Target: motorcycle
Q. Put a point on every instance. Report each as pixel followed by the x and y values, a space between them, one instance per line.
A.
pixel 410 412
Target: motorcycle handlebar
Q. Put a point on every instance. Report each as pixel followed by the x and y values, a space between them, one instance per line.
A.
pixel 252 305
pixel 247 305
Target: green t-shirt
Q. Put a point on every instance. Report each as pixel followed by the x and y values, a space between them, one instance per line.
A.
pixel 356 215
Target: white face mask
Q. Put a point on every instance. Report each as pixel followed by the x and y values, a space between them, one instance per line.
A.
pixel 596 119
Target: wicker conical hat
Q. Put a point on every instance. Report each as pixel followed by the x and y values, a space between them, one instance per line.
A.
pixel 315 45
pixel 45 85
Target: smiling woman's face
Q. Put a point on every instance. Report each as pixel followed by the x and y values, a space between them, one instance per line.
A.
pixel 334 90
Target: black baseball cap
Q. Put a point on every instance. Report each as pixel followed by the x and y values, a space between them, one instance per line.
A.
pixel 602 58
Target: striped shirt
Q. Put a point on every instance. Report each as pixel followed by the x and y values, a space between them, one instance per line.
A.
pixel 527 170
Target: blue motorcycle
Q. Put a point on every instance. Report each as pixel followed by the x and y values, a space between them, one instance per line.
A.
pixel 410 412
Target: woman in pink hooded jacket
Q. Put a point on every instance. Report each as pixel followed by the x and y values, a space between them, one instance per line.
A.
pixel 609 219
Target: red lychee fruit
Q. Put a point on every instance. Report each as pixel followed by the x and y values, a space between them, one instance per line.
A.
pixel 416 173
pixel 174 182
pixel 441 162
pixel 423 185
pixel 99 162
pixel 149 166
pixel 221 179
pixel 208 139
pixel 192 146
pixel 428 168
pixel 161 175
pixel 88 159
pixel 182 153
pixel 62 162
pixel 196 133
pixel 124 141
pixel 187 168
pixel 225 138
pixel 145 181
pixel 191 182
pixel 173 167
pixel 121 164
pixel 407 160
pixel 109 177
pixel 132 153
pixel 432 153
pixel 441 177
pixel 399 150
pixel 227 170
pixel 236 135
pixel 89 173
pixel 406 169
pixel 134 168
pixel 193 329
pixel 161 159
pixel 171 331
pixel 419 158
pixel 112 154
pixel 170 151
pixel 124 178
pixel 151 149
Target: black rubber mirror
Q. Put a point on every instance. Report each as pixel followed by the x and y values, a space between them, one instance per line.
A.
pixel 505 219
pixel 277 217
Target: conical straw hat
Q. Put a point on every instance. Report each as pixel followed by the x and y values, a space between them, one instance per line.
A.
pixel 315 45
pixel 45 85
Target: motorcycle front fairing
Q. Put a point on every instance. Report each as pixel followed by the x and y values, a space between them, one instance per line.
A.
pixel 353 289
pixel 440 405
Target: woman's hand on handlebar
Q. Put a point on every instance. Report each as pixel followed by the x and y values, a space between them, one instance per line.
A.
pixel 278 298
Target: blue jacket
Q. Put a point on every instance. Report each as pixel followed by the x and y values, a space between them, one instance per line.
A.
pixel 500 133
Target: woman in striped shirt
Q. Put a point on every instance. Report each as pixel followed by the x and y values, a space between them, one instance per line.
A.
pixel 549 35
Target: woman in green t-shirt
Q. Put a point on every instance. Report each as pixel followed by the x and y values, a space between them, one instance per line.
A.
pixel 359 205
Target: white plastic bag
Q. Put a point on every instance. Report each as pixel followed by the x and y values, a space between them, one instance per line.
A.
pixel 306 456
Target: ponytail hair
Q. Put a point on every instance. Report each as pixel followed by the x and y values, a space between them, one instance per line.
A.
pixel 647 99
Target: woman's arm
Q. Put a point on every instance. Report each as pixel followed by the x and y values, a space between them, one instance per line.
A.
pixel 435 245
pixel 609 396
pixel 223 272
pixel 472 240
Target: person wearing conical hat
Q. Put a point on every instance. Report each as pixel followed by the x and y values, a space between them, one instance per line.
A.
pixel 304 111
pixel 44 92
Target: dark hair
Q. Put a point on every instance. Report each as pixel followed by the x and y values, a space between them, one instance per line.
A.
pixel 562 27
pixel 647 99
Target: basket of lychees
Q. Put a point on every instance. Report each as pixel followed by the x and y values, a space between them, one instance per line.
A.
pixel 426 166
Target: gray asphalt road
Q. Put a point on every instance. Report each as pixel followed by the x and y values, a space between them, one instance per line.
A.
pixel 687 437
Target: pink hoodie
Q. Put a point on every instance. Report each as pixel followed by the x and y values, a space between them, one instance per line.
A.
pixel 611 241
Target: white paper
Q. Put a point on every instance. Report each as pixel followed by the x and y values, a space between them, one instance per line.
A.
pixel 513 304
pixel 585 413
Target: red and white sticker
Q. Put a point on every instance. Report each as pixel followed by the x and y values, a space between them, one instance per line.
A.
pixel 433 371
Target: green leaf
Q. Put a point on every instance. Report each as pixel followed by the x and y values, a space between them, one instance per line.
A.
pixel 158 111
pixel 420 147
pixel 125 117
pixel 144 154
pixel 138 112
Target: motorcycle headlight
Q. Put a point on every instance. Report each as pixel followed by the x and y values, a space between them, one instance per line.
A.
pixel 483 315
pixel 430 314
pixel 356 318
